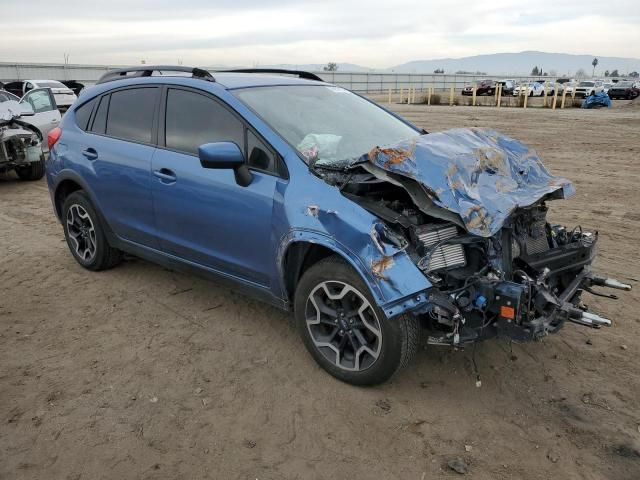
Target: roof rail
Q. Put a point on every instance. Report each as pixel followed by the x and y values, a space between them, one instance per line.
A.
pixel 147 71
pixel 299 73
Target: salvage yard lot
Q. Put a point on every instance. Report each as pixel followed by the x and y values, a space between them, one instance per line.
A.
pixel 140 372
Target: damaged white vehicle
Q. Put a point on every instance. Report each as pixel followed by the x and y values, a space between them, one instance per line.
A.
pixel 24 123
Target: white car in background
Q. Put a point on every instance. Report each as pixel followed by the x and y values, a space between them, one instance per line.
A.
pixel 63 95
pixel 532 89
pixel 588 87
pixel 607 85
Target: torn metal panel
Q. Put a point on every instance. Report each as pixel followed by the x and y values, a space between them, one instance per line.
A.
pixel 477 174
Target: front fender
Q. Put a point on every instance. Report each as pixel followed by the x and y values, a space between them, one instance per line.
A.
pixel 394 281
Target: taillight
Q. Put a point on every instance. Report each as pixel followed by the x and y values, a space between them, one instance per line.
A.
pixel 54 136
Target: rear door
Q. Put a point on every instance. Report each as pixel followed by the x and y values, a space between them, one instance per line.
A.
pixel 117 149
pixel 46 115
pixel 203 215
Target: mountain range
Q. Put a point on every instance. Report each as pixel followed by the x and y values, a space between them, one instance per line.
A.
pixel 520 63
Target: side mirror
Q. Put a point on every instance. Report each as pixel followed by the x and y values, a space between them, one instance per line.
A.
pixel 226 155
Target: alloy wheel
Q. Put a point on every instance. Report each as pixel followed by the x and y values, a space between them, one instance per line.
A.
pixel 81 232
pixel 343 326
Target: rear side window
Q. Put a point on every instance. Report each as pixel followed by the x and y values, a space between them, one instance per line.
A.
pixel 83 114
pixel 193 119
pixel 131 113
pixel 100 118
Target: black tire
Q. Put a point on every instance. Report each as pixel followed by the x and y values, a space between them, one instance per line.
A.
pixel 35 171
pixel 398 338
pixel 102 256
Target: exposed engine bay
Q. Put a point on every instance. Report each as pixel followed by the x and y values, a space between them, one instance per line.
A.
pixel 20 142
pixel 497 266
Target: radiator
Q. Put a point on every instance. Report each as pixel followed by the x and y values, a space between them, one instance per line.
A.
pixel 445 256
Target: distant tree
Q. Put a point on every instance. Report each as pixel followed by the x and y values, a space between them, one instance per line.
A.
pixel 553 73
pixel 634 74
pixel 615 73
pixel 535 71
pixel 606 73
pixel 330 67
pixel 595 64
pixel 581 73
pixel 438 70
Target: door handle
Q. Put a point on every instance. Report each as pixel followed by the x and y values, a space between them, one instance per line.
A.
pixel 90 153
pixel 165 175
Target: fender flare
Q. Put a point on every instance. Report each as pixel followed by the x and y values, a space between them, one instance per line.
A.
pixel 329 242
pixel 73 176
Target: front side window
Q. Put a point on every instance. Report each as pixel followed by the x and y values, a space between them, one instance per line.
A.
pixel 193 119
pixel 131 112
pixel 324 123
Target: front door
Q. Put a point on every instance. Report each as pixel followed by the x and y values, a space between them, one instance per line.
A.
pixel 202 215
pixel 46 115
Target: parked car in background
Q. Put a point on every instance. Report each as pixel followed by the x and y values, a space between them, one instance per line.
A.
pixel 278 187
pixel 607 85
pixel 38 108
pixel 63 95
pixel 531 89
pixel 75 86
pixel 569 87
pixel 588 87
pixel 623 90
pixel 507 86
pixel 484 87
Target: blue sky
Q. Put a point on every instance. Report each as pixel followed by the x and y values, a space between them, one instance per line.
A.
pixel 371 33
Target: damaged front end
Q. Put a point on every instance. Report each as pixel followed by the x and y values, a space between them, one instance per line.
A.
pixel 20 142
pixel 472 207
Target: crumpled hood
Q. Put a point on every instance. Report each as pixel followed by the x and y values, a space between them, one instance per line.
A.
pixel 479 174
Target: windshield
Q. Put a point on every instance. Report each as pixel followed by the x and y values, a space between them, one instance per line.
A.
pixel 586 84
pixel 326 124
pixel 50 84
pixel 624 84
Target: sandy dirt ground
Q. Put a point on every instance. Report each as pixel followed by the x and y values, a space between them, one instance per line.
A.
pixel 140 372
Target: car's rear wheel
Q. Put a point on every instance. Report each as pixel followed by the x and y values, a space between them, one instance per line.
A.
pixel 85 234
pixel 345 331
pixel 33 171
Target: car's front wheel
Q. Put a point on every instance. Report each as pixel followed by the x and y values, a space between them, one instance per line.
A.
pixel 345 331
pixel 85 234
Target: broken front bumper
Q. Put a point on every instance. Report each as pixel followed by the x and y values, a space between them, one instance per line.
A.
pixel 519 307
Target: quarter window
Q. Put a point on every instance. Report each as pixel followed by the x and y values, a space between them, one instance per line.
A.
pixel 131 113
pixel 193 120
pixel 100 119
pixel 260 157
pixel 83 113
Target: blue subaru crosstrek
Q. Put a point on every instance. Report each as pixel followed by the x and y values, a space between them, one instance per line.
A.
pixel 378 235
